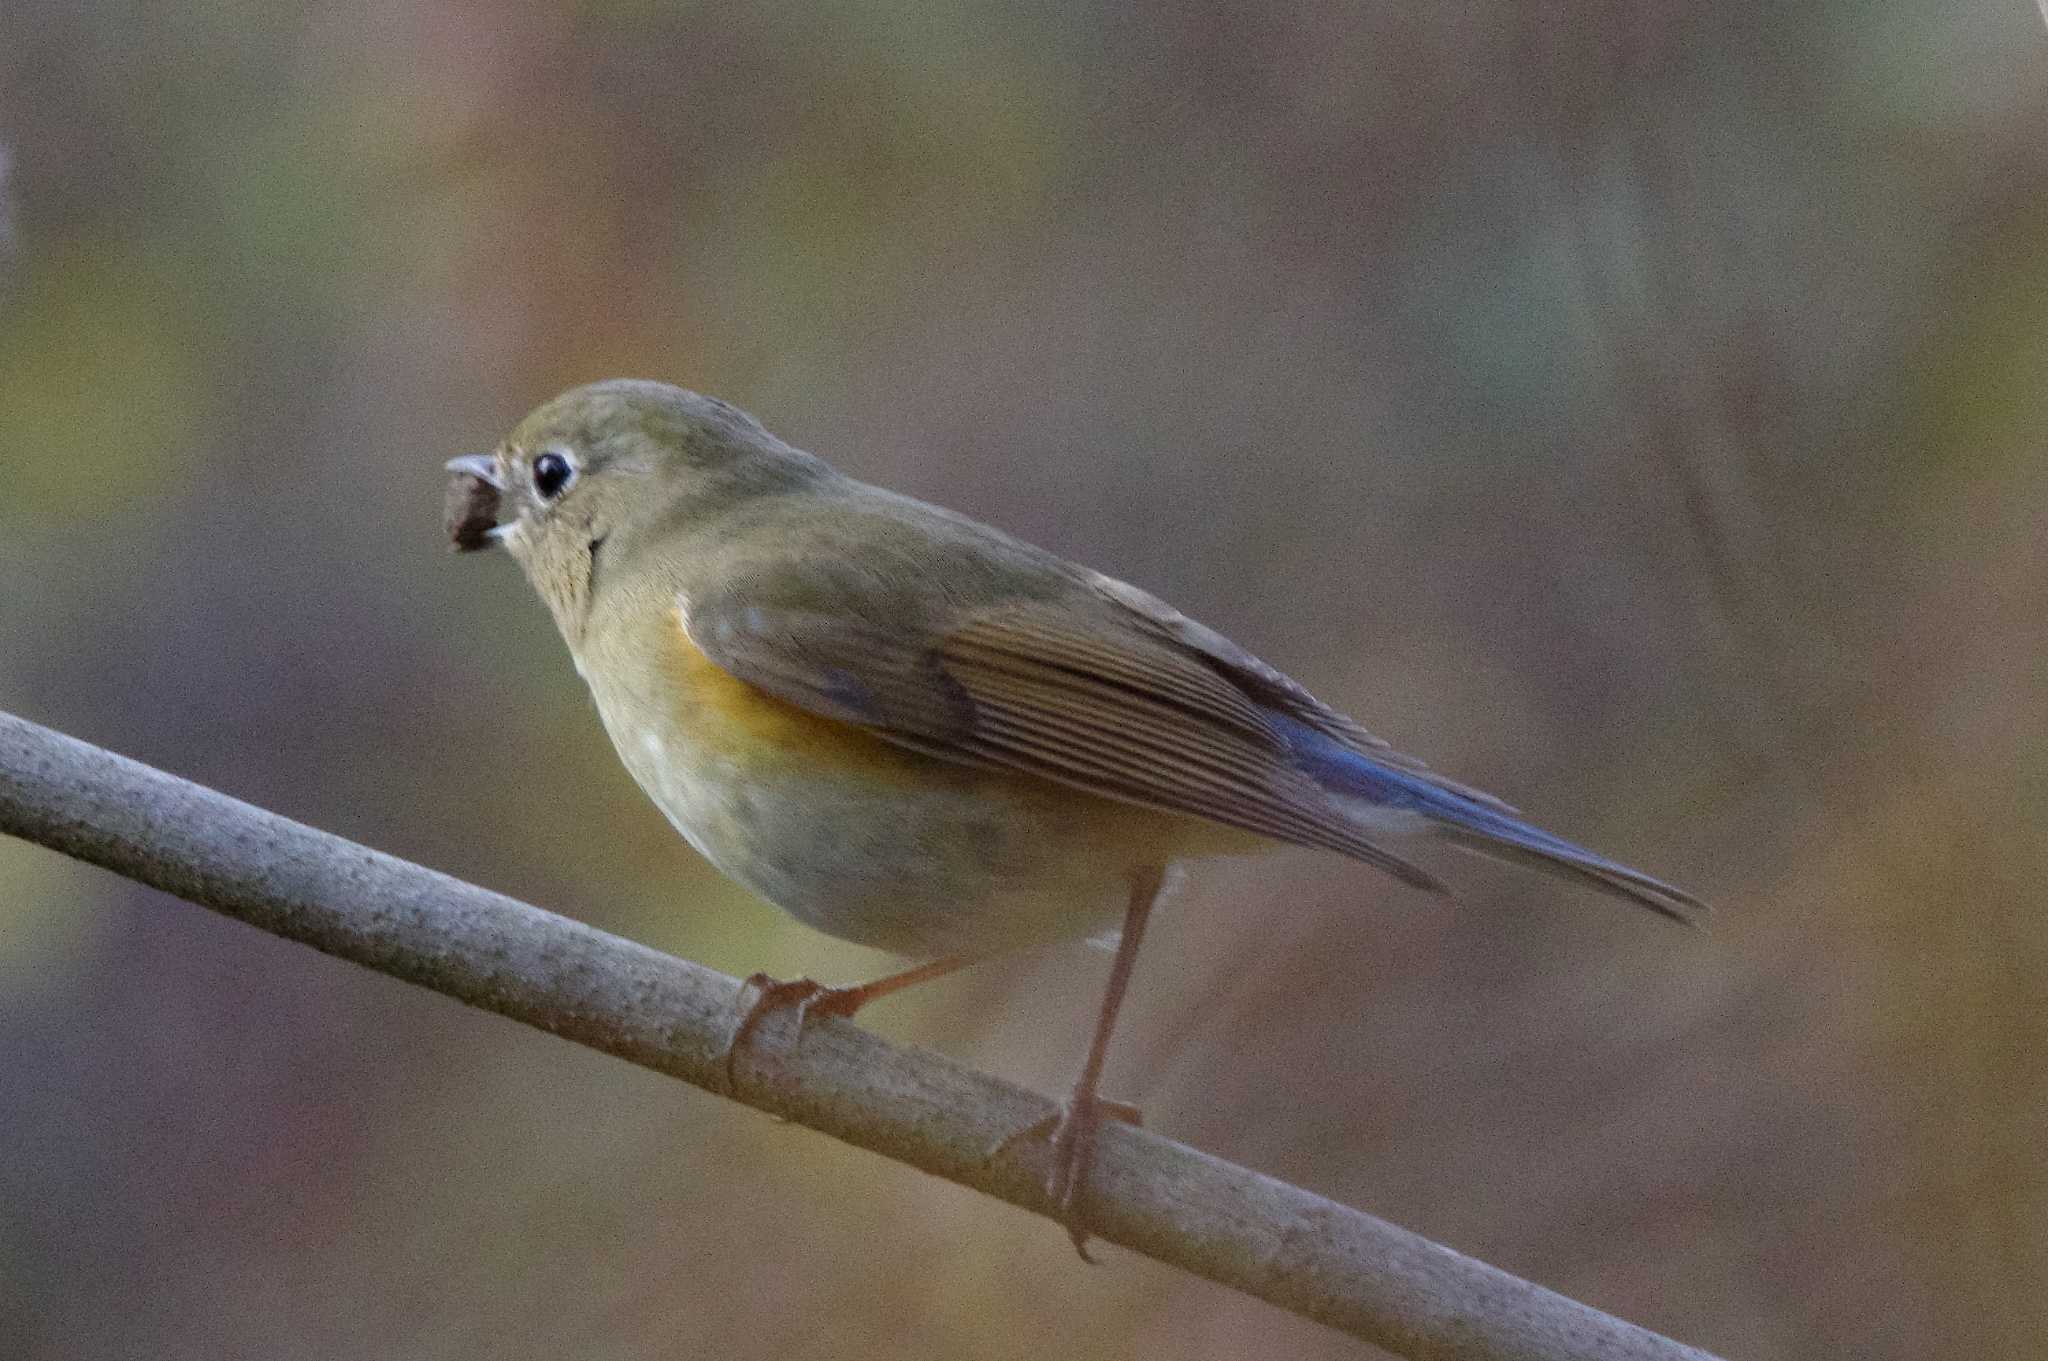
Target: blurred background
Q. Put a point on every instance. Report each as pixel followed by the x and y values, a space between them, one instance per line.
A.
pixel 1631 408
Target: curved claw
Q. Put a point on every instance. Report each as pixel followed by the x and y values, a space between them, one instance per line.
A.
pixel 808 996
pixel 1071 1131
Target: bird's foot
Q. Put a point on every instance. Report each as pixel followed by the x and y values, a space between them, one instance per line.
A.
pixel 1071 1131
pixel 807 997
pixel 811 999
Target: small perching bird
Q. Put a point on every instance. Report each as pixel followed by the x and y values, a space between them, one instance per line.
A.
pixel 916 732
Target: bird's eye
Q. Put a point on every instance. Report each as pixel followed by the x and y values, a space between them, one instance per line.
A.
pixel 552 474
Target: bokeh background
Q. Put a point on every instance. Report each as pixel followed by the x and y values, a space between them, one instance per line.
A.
pixel 1632 408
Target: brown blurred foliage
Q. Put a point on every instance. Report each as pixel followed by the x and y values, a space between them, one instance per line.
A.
pixel 1632 408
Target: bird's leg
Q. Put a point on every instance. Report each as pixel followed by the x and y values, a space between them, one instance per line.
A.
pixel 1074 1128
pixel 812 998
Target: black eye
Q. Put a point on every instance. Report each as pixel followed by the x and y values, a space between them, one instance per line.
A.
pixel 552 475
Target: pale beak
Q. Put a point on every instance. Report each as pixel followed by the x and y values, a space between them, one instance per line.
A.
pixel 483 467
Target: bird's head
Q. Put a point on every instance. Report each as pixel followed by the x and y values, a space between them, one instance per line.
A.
pixel 601 473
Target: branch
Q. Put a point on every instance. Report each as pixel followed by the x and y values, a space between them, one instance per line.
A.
pixel 1263 1236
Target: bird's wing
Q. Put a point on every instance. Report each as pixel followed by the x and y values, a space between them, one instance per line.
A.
pixel 1269 686
pixel 1076 692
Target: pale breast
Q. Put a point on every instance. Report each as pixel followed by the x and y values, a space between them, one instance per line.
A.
pixel 866 840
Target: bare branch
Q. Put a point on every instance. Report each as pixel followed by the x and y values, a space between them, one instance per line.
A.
pixel 1263 1236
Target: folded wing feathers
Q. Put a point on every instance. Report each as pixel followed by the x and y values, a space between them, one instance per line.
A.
pixel 1270 685
pixel 1152 670
pixel 1134 724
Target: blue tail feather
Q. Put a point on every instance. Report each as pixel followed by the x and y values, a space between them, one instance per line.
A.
pixel 1472 824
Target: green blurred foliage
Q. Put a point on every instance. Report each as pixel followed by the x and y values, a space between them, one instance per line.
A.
pixel 97 359
pixel 1635 410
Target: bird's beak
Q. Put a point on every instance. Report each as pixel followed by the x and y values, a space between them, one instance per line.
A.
pixel 483 467
pixel 470 512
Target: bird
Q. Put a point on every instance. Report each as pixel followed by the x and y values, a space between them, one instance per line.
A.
pixel 911 730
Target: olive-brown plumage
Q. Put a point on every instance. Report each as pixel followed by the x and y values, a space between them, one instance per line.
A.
pixel 912 730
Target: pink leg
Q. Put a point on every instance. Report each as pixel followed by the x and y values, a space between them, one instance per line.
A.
pixel 815 999
pixel 1073 1134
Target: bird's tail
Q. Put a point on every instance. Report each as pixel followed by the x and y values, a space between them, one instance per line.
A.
pixel 1469 821
pixel 1506 838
